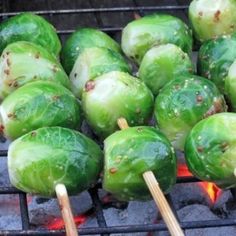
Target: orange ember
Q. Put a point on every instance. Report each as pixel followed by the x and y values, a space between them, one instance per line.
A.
pixel 58 223
pixel 183 171
pixel 212 190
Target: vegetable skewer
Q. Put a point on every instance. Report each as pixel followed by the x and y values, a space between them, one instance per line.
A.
pixel 66 212
pixel 158 196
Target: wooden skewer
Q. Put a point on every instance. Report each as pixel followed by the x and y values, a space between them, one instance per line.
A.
pixel 158 196
pixel 64 203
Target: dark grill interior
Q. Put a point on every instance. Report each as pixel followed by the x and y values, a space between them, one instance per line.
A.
pixel 109 16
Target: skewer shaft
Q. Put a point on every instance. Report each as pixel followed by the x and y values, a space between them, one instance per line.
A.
pixel 162 204
pixel 66 212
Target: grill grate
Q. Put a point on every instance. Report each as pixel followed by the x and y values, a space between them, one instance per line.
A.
pixel 103 229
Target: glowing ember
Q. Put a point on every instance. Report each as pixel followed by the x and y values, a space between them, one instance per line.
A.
pixel 212 190
pixel 58 223
pixel 183 171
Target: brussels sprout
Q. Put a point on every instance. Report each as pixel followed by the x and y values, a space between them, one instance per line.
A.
pixel 142 34
pixel 48 156
pixel 215 58
pixel 211 19
pixel 182 103
pixel 22 62
pixel 230 86
pixel 29 27
pixel 93 62
pixel 123 96
pixel 162 64
pixel 85 38
pixel 131 152
pixel 38 104
pixel 210 150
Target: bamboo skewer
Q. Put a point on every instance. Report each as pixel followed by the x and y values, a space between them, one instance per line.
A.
pixel 158 196
pixel 64 203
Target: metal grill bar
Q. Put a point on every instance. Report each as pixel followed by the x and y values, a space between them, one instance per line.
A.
pixel 24 211
pixel 95 10
pixel 125 229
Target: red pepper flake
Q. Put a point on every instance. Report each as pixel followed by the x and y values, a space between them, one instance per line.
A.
pixel 90 85
pixel 199 98
pixel 200 149
pixel 113 170
pixel 1 128
pixel 217 15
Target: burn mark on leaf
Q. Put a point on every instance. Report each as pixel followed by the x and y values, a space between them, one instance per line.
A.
pixel 200 149
pixel 11 115
pixel 7 72
pixel 199 98
pixel 33 133
pixel 37 55
pixel 113 170
pixel 8 62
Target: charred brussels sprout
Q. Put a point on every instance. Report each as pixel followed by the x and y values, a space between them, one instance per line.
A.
pixel 162 64
pixel 142 34
pixel 93 62
pixel 85 38
pixel 131 152
pixel 48 156
pixel 29 27
pixel 230 87
pixel 38 104
pixel 114 95
pixel 22 62
pixel 210 148
pixel 182 103
pixel 215 57
pixel 211 19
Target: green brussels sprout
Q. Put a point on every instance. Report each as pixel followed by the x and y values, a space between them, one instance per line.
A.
pixel 45 157
pixel 131 152
pixel 212 19
pixel 123 96
pixel 182 103
pixel 32 28
pixel 38 104
pixel 210 150
pixel 93 62
pixel 230 87
pixel 163 63
pixel 22 62
pixel 153 30
pixel 85 38
pixel 215 57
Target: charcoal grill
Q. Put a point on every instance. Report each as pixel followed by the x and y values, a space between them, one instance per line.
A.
pixel 93 8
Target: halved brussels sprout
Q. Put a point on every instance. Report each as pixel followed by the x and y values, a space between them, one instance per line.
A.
pixel 22 62
pixel 114 95
pixel 210 150
pixel 38 104
pixel 163 63
pixel 152 30
pixel 131 152
pixel 93 62
pixel 32 28
pixel 182 103
pixel 48 156
pixel 215 57
pixel 85 38
pixel 212 19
